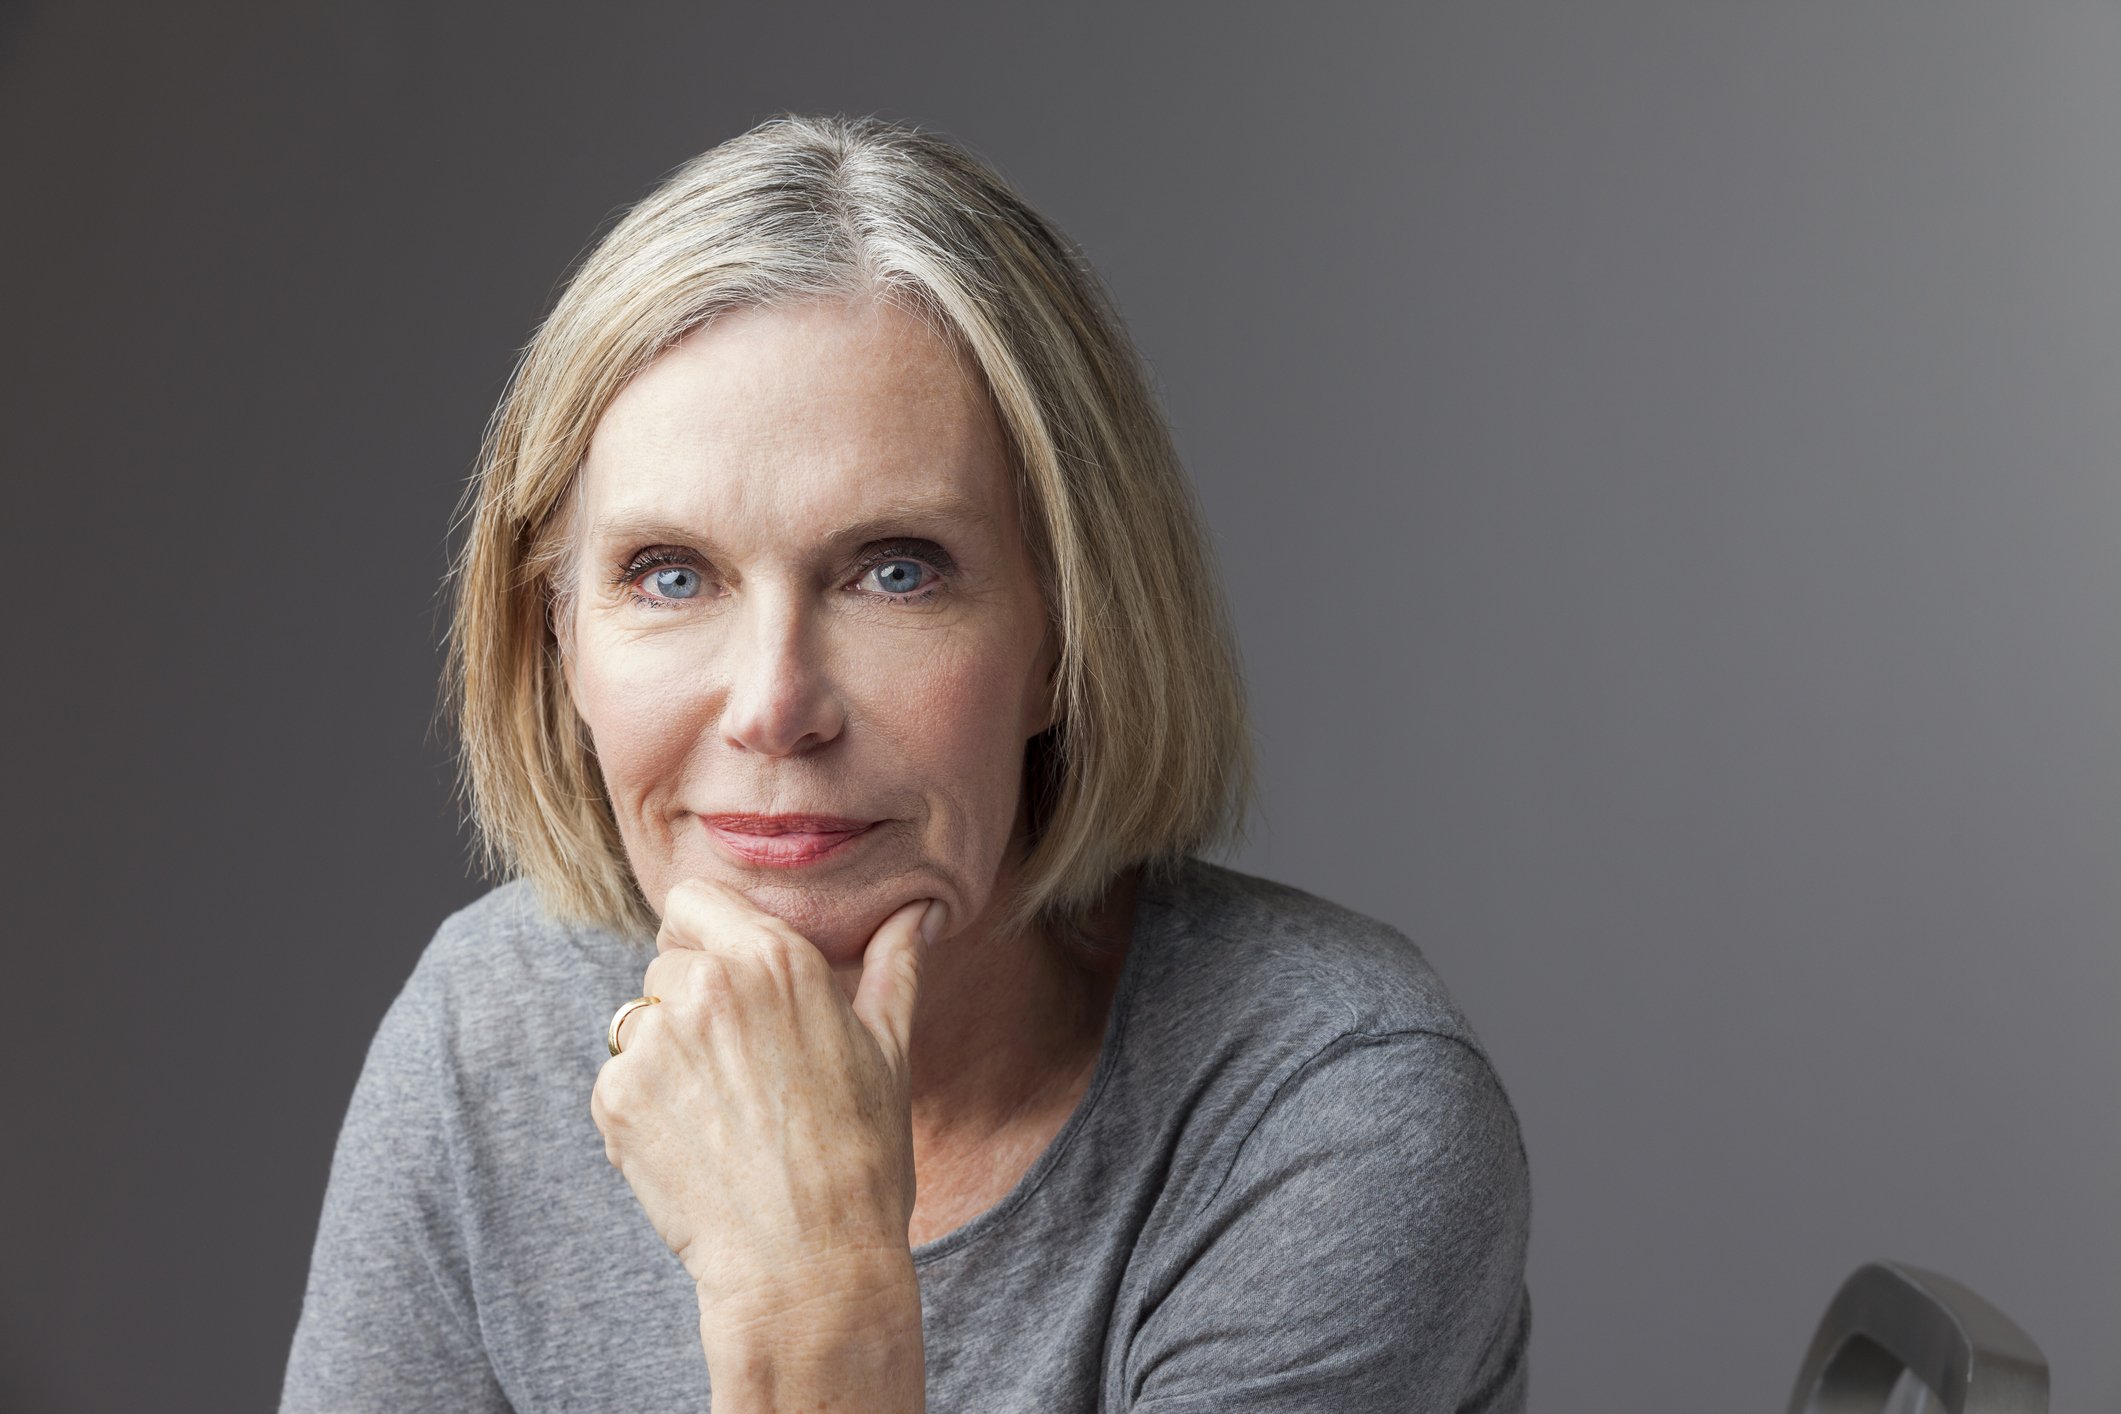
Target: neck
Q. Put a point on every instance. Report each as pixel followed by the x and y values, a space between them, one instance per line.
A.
pixel 1009 1026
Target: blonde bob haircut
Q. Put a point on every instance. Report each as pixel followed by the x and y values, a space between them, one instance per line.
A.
pixel 1150 758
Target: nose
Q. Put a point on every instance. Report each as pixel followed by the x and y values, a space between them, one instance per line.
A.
pixel 781 699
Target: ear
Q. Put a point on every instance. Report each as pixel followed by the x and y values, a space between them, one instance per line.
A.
pixel 560 619
pixel 1050 713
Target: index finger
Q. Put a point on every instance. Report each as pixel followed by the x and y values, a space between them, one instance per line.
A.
pixel 698 913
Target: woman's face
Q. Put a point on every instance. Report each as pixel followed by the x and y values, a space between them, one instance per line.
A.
pixel 803 590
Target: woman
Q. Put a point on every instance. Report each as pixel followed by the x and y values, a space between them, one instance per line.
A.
pixel 835 625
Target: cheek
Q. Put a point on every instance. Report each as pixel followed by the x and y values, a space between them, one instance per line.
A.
pixel 639 706
pixel 952 720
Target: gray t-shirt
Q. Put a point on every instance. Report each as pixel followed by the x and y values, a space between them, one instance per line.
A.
pixel 1294 1183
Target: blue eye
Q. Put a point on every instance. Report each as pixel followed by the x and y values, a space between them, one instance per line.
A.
pixel 898 576
pixel 676 582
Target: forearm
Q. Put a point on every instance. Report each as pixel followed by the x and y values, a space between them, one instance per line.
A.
pixel 856 1348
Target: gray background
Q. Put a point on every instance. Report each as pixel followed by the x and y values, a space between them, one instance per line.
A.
pixel 1663 457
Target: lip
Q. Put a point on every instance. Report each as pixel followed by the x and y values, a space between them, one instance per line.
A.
pixel 785 841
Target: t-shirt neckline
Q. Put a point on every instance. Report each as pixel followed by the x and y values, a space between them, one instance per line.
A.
pixel 1150 897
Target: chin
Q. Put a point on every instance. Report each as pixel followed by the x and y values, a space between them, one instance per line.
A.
pixel 838 928
pixel 838 921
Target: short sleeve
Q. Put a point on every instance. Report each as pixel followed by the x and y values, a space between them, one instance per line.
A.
pixel 388 1320
pixel 1366 1250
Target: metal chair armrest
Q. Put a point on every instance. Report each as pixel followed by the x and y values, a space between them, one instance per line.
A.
pixel 1890 1317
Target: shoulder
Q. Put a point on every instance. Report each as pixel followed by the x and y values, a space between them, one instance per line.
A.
pixel 1347 1184
pixel 1239 950
pixel 1424 1115
pixel 502 971
pixel 506 921
pixel 508 926
pixel 1269 1026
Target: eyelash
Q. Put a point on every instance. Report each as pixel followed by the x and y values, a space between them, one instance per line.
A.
pixel 653 559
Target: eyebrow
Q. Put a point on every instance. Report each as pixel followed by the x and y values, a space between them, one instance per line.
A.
pixel 631 526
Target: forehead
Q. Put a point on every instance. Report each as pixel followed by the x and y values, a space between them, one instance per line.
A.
pixel 795 416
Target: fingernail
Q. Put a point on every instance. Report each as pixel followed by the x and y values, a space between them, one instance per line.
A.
pixel 932 923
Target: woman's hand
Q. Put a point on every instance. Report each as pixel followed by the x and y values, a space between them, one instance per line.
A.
pixel 764 1124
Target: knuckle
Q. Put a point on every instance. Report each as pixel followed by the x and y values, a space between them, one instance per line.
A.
pixel 704 985
pixel 660 972
pixel 783 962
pixel 609 1099
pixel 689 895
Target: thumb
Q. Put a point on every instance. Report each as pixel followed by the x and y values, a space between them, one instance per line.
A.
pixel 891 977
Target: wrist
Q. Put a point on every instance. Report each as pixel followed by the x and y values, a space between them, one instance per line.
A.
pixel 850 1343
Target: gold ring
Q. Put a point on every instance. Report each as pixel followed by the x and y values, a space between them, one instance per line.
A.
pixel 611 1037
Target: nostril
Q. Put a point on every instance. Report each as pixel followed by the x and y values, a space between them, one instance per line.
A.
pixel 786 717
